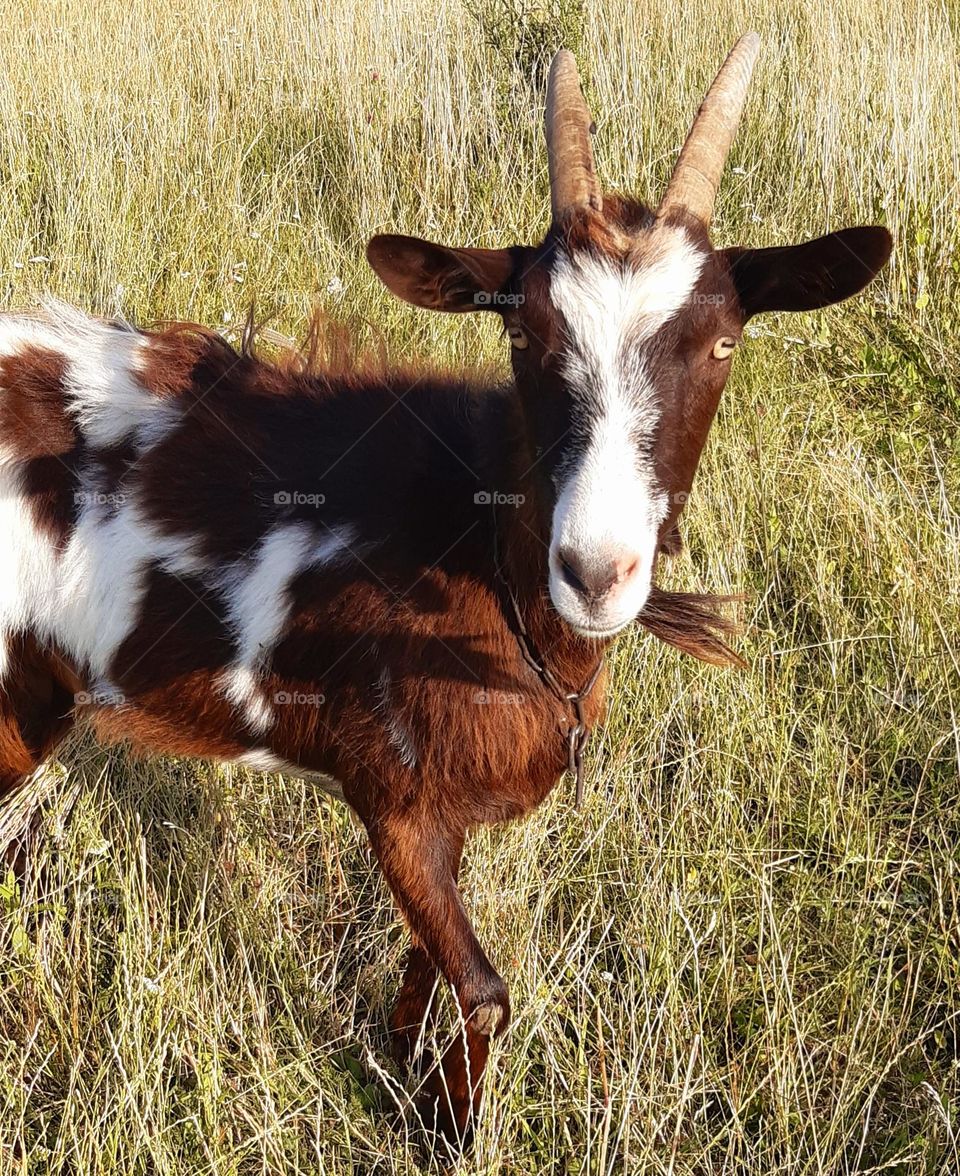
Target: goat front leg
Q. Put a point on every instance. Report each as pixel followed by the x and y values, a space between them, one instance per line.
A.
pixel 415 854
pixel 415 1004
pixel 413 1010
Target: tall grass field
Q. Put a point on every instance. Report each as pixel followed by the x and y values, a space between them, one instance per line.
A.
pixel 743 955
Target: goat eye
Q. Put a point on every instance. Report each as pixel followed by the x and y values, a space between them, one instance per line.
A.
pixel 518 338
pixel 723 348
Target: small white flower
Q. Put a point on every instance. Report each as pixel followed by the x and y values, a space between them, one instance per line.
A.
pixel 151 985
pixel 335 287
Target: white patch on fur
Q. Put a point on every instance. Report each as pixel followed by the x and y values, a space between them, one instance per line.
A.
pixel 104 395
pixel 103 579
pixel 399 737
pixel 87 598
pixel 609 506
pixel 28 561
pixel 19 331
pixel 258 607
pixel 241 687
pixel 262 760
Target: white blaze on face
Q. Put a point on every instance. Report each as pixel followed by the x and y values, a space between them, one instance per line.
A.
pixel 609 506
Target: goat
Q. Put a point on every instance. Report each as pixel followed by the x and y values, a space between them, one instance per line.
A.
pixel 333 572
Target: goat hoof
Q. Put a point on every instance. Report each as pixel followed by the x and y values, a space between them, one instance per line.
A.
pixel 443 1137
pixel 403 1044
pixel 411 1053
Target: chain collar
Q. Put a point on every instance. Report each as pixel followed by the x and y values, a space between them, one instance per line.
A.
pixel 578 732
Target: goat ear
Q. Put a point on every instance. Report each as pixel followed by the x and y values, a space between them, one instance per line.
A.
pixel 438 278
pixel 808 276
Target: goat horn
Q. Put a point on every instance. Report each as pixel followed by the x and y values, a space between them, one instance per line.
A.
pixel 696 177
pixel 573 182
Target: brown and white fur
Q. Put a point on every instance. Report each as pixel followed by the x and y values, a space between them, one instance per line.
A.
pixel 210 555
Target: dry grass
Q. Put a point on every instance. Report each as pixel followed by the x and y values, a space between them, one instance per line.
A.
pixel 744 956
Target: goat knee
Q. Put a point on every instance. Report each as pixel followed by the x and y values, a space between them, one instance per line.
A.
pixel 487 1018
pixel 487 1009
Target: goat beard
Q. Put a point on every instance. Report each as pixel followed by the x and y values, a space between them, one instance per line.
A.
pixel 693 623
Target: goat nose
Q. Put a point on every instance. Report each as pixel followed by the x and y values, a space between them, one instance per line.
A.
pixel 593 576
